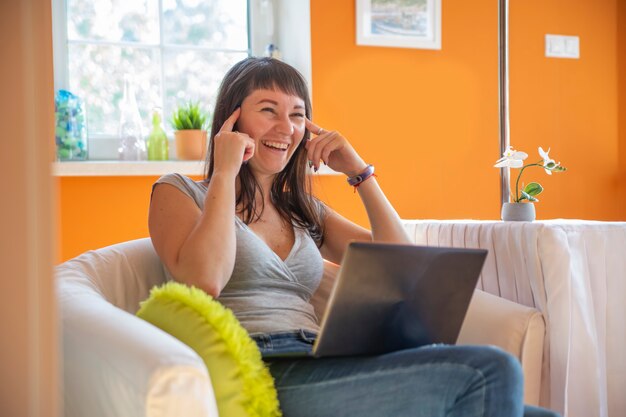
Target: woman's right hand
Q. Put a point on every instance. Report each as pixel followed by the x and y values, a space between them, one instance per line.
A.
pixel 231 148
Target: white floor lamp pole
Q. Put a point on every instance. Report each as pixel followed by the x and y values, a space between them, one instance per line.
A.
pixel 503 78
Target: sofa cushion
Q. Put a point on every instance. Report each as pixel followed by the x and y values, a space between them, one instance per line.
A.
pixel 243 385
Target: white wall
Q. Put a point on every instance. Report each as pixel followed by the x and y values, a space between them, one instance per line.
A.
pixel 287 24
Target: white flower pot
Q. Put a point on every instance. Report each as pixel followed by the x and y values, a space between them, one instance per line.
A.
pixel 518 212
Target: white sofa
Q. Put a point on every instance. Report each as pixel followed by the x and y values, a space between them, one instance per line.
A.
pixel 115 364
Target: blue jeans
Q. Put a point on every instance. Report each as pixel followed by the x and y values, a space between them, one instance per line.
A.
pixel 430 381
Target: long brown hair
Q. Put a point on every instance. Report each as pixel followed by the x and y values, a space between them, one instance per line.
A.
pixel 291 189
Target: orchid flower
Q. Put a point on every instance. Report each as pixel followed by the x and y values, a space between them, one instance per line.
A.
pixel 511 158
pixel 548 163
pixel 515 159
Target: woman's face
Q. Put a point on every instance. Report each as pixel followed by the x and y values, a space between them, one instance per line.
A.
pixel 275 120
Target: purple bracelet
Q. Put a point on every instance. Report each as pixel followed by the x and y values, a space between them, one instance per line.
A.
pixel 358 179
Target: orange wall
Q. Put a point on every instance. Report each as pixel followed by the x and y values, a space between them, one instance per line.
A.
pixel 428 120
pixel 99 211
pixel 570 105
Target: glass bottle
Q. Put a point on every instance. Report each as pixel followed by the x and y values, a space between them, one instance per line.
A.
pixel 132 144
pixel 272 51
pixel 70 131
pixel 158 149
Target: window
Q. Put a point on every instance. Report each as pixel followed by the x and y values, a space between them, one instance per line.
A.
pixel 173 50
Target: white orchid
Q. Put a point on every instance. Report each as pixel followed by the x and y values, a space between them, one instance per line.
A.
pixel 548 163
pixel 511 158
pixel 515 159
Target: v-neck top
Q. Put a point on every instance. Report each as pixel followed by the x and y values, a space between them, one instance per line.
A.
pixel 266 293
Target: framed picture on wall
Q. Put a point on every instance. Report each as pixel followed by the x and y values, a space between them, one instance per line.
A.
pixel 399 23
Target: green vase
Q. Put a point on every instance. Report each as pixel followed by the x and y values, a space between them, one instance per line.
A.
pixel 158 148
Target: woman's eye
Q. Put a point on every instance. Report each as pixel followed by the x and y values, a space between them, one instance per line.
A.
pixel 298 115
pixel 268 109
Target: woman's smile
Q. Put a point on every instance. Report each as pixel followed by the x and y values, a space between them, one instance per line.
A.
pixel 277 146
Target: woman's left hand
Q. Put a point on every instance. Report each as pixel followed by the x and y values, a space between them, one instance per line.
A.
pixel 334 150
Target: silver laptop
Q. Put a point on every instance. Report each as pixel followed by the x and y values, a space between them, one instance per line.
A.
pixel 389 297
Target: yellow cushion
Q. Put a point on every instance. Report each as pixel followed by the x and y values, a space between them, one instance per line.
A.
pixel 242 383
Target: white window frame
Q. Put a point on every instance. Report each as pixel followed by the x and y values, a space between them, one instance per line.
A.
pixel 269 21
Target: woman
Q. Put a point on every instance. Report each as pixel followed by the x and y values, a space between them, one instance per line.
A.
pixel 252 236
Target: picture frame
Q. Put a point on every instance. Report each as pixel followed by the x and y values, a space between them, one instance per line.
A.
pixel 399 23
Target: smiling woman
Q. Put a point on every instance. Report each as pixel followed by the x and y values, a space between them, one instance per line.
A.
pixel 252 235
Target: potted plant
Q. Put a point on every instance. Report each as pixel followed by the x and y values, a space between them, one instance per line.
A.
pixel 522 207
pixel 190 131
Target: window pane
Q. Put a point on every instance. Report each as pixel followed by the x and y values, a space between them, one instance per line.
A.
pixel 195 75
pixel 96 74
pixel 218 24
pixel 113 20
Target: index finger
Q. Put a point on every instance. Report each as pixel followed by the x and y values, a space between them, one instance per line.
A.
pixel 312 126
pixel 229 124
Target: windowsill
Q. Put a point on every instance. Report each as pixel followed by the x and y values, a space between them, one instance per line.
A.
pixel 137 168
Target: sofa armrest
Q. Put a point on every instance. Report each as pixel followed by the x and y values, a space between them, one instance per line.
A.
pixel 116 364
pixel 515 328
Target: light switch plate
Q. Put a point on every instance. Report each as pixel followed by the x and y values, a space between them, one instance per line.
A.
pixel 560 46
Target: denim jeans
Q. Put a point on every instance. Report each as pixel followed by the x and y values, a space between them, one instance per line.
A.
pixel 430 381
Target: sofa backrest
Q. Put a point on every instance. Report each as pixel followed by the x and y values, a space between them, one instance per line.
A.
pixel 122 274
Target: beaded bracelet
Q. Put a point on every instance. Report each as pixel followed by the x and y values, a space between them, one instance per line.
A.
pixel 358 179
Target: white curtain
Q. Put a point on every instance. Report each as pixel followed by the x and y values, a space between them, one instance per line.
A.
pixel 575 273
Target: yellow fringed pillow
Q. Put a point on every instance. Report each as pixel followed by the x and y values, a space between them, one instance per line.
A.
pixel 242 383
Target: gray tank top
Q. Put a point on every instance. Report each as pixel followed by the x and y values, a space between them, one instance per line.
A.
pixel 266 293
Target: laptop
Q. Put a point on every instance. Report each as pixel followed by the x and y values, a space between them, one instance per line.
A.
pixel 389 297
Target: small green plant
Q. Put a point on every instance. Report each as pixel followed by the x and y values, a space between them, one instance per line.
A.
pixel 189 117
